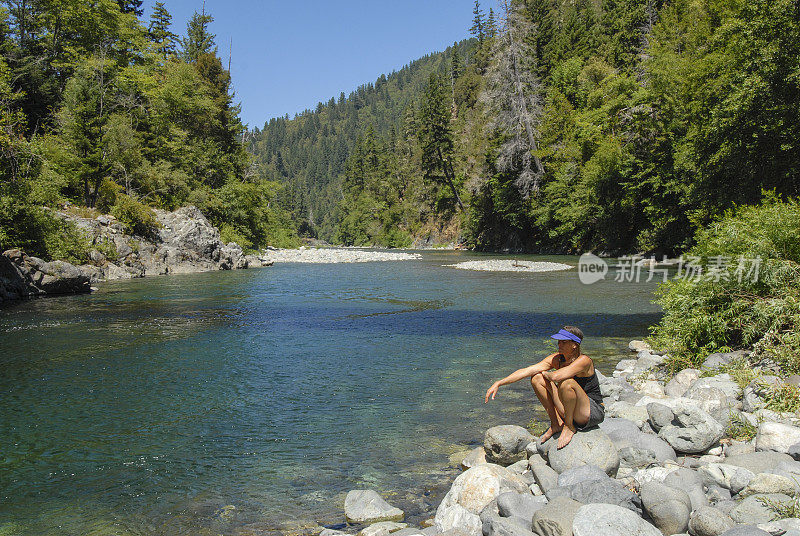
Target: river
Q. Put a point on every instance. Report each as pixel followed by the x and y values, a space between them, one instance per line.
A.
pixel 250 402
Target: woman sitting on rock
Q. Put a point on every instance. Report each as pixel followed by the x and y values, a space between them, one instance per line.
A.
pixel 566 385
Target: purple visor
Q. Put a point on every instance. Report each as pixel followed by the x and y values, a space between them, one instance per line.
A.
pixel 564 335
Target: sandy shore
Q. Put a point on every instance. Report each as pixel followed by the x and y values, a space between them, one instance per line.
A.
pixel 509 265
pixel 334 255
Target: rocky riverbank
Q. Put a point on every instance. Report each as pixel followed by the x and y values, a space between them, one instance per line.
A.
pixel 333 255
pixel 186 242
pixel 509 265
pixel 696 454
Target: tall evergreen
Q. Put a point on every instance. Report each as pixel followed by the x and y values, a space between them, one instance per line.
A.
pixel 199 40
pixel 436 136
pixel 478 23
pixel 159 30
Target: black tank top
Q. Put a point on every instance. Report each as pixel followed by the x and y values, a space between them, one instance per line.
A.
pixel 591 386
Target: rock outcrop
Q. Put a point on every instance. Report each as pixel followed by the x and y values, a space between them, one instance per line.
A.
pixel 186 242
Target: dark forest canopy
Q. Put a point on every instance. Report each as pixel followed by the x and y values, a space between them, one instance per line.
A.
pixel 561 125
pixel 107 112
pixel 607 125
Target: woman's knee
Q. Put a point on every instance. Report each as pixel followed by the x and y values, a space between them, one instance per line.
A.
pixel 538 381
pixel 567 387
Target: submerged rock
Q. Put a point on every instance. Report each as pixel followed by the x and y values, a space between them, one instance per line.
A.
pixel 366 506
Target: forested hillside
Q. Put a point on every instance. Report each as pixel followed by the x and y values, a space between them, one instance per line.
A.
pixel 563 125
pixel 103 111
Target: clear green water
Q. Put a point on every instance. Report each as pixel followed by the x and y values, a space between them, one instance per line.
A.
pixel 149 406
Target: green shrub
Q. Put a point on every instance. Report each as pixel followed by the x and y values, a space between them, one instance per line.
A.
pixel 705 315
pixel 37 232
pixel 137 218
pixel 740 428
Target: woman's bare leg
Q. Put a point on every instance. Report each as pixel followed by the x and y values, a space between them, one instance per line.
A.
pixel 576 409
pixel 547 394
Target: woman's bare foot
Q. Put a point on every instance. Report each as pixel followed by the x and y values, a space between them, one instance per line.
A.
pixel 565 438
pixel 548 434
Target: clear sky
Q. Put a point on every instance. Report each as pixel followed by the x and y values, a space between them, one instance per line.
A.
pixel 289 55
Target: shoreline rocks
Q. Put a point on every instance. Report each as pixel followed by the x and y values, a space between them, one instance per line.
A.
pixel 669 469
pixel 185 243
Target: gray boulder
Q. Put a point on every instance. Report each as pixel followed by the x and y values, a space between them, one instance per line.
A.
pixel 606 491
pixel 627 410
pixel 776 437
pixel 794 451
pixel 592 447
pixel 708 521
pixel 694 430
pixel 759 462
pixel 506 444
pixel 366 506
pixel 689 482
pixel 723 382
pixel 556 518
pixel 469 494
pixel 746 530
pixel 522 505
pixel 727 476
pixel 610 520
pixel 769 483
pixel 717 494
pixel 382 528
pixel 506 526
pixel 659 415
pixel 669 508
pixel 718 359
pixel 475 457
pixel 681 382
pixel 753 510
pixel 634 457
pixel 637 346
pixel 581 473
pixel 545 476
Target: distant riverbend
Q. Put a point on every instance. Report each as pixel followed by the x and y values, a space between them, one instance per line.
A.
pixel 246 402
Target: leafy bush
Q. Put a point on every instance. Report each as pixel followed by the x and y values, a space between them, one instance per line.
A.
pixel 737 309
pixel 740 428
pixel 138 219
pixel 37 232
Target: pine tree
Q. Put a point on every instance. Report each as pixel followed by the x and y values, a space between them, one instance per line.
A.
pixel 477 28
pixel 159 32
pixel 513 96
pixel 491 25
pixel 199 40
pixel 436 136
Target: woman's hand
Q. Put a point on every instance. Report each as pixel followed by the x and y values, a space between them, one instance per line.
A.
pixel 492 391
pixel 548 375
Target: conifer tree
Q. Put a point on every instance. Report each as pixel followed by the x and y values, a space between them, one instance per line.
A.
pixel 159 30
pixel 199 40
pixel 436 136
pixel 491 25
pixel 477 28
pixel 513 97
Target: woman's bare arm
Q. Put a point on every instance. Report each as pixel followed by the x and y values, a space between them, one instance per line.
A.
pixel 517 375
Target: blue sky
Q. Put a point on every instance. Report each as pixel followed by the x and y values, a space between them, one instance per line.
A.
pixel 287 56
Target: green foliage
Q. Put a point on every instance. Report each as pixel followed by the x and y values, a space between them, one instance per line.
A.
pixel 740 428
pixel 746 303
pixel 105 115
pixel 37 232
pixel 782 509
pixel 137 218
